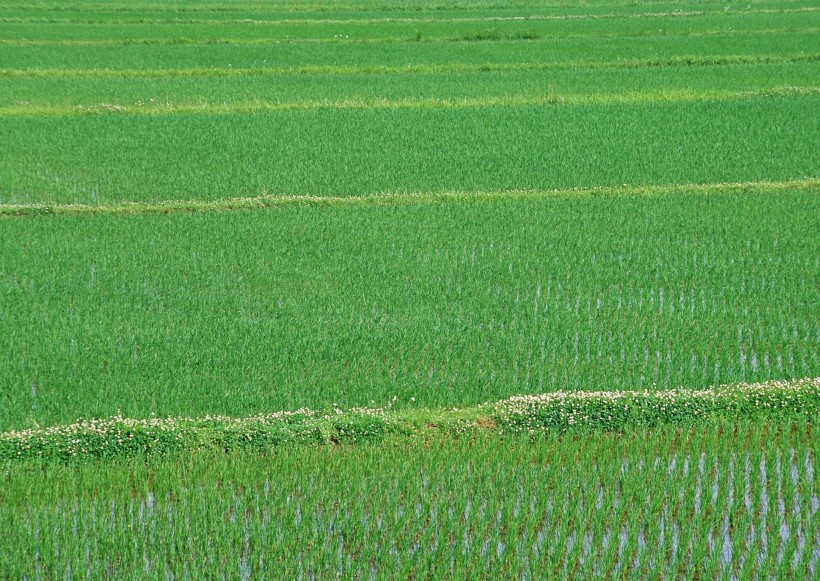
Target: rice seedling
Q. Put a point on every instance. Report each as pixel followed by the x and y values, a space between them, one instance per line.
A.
pixel 601 504
pixel 249 312
pixel 485 259
pixel 355 152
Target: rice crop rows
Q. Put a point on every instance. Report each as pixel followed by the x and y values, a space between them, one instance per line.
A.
pixel 254 311
pixel 409 289
pixel 366 99
pixel 256 92
pixel 353 152
pixel 398 54
pixel 664 504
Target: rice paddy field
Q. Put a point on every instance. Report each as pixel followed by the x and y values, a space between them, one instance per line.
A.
pixel 426 289
pixel 728 501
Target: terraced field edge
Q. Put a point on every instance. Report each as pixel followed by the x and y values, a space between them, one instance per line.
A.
pixel 383 104
pixel 391 198
pixel 215 72
pixel 524 415
pixel 677 13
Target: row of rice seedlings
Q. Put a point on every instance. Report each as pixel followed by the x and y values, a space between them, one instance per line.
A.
pixel 241 313
pixel 364 152
pixel 665 503
pixel 625 545
pixel 102 12
pixel 133 25
pixel 196 315
pixel 578 50
pixel 203 95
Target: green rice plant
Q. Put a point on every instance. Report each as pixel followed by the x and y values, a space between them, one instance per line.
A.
pixel 115 11
pixel 129 26
pixel 135 59
pixel 238 313
pixel 353 152
pixel 562 211
pixel 43 96
pixel 548 49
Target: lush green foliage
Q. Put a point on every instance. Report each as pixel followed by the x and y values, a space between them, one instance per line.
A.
pixel 611 410
pixel 255 100
pixel 347 152
pixel 209 94
pixel 533 415
pixel 550 51
pixel 422 90
pixel 564 210
pixel 450 302
pixel 729 499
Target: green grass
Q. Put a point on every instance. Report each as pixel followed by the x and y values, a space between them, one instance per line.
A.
pixel 388 199
pixel 209 94
pixel 641 503
pixel 111 158
pixel 362 99
pixel 83 13
pixel 452 302
pixel 289 227
pixel 454 26
pixel 575 51
pixel 533 415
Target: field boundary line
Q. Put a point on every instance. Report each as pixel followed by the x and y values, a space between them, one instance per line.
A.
pixel 393 199
pixel 258 106
pixel 530 37
pixel 404 20
pixel 676 61
pixel 559 411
